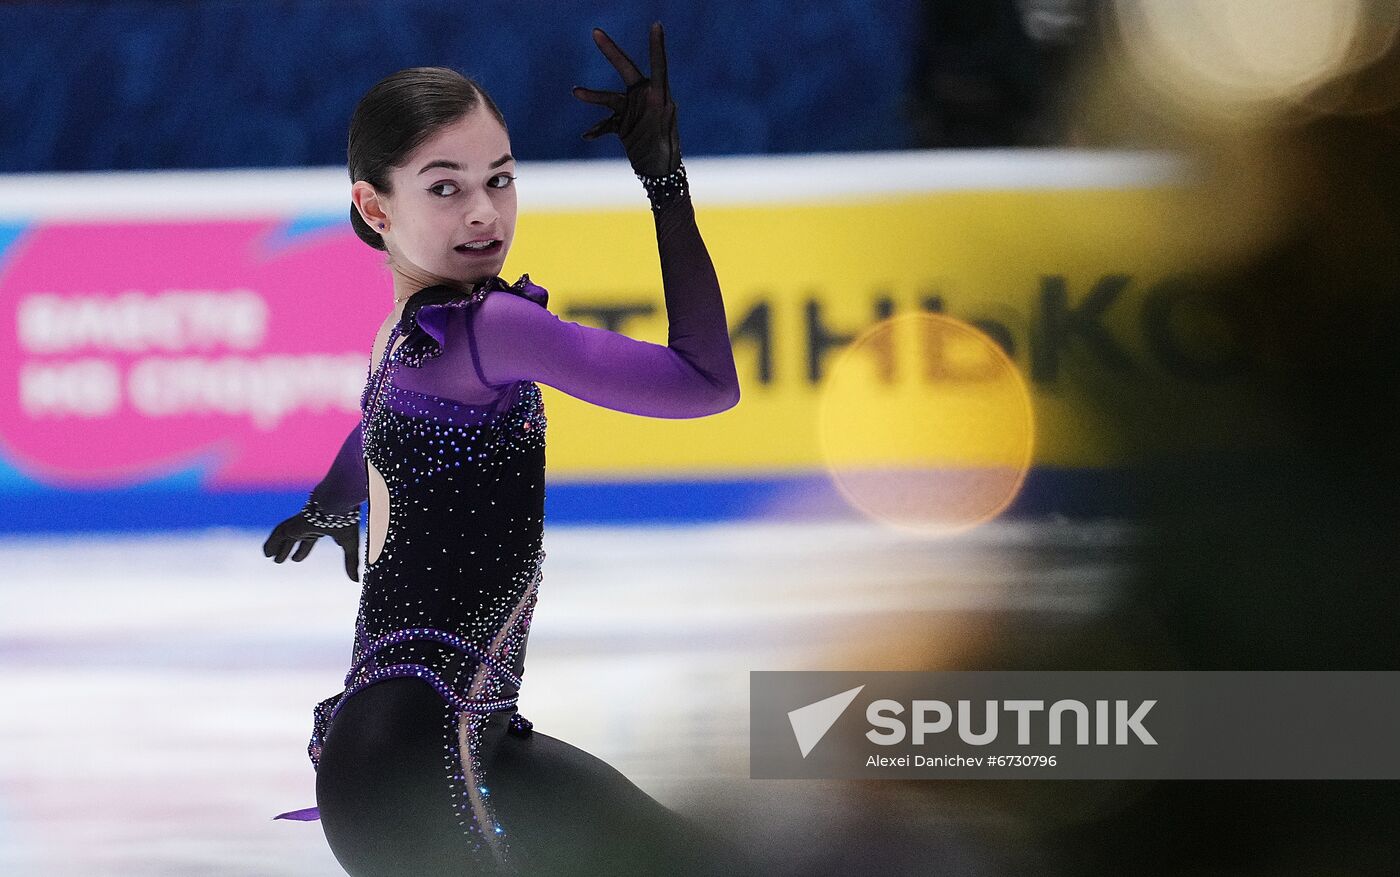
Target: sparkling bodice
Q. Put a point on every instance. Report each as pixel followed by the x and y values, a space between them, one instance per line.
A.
pixel 463 550
pixel 451 592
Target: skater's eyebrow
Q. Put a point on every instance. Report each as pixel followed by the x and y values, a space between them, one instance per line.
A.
pixel 452 165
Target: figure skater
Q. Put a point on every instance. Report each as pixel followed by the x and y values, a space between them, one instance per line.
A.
pixel 423 766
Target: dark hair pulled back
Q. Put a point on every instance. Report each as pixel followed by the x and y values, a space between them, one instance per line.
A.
pixel 396 116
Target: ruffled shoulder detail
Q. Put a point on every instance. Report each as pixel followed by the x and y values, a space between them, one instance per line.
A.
pixel 425 318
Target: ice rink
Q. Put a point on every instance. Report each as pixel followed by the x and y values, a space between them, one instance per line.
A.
pixel 158 690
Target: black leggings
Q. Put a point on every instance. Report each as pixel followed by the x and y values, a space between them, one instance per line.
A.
pixel 387 810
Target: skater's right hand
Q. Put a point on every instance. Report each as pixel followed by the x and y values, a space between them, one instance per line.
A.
pixel 298 529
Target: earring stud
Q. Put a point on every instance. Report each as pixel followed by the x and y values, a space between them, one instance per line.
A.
pixel 381 225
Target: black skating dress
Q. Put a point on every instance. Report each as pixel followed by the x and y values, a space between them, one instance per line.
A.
pixel 423 764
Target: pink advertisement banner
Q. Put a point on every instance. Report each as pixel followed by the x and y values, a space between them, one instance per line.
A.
pixel 218 349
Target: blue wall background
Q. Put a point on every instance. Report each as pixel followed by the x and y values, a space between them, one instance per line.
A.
pixel 145 85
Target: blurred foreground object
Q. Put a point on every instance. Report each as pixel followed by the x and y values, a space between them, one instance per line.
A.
pixel 1277 556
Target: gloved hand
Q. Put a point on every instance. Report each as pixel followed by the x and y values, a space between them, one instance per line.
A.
pixel 644 117
pixel 299 528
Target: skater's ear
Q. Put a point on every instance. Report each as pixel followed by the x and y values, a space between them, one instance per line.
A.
pixel 368 213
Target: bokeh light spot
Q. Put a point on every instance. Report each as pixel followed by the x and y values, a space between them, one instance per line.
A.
pixel 926 424
pixel 1245 61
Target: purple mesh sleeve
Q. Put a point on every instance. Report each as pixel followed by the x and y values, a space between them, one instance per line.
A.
pixel 346 485
pixel 692 376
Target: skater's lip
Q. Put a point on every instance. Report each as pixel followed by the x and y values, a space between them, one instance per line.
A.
pixel 477 241
pixel 494 247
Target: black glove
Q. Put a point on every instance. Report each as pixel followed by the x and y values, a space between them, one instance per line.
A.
pixel 644 118
pixel 310 524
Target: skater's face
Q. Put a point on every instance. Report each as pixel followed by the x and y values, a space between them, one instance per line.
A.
pixel 457 187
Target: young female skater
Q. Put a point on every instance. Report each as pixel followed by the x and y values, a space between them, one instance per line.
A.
pixel 423 766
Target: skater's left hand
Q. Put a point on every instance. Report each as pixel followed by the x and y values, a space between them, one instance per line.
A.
pixel 644 117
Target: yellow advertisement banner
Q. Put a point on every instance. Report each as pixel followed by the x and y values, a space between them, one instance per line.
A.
pixel 1085 290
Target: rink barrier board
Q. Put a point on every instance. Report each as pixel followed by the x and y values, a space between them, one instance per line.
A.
pixel 1075 264
pixel 1048 492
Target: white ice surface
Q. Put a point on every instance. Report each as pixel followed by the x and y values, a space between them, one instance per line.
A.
pixel 156 691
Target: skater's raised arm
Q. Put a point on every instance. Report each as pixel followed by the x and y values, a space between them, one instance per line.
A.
pixel 694 374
